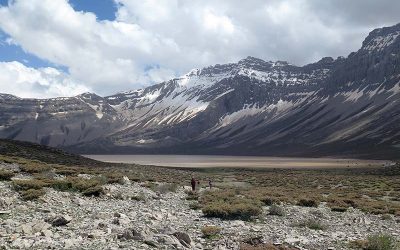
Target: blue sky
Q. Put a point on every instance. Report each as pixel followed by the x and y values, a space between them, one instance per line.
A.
pixel 104 10
pixel 52 48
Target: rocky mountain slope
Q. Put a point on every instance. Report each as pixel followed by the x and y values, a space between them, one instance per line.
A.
pixel 344 106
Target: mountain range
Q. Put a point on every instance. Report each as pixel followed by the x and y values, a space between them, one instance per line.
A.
pixel 348 106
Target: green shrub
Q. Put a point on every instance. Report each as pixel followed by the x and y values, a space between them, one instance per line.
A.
pixel 81 184
pixel 210 232
pixel 114 177
pixel 308 203
pixel 62 185
pixel 276 210
pixel 381 242
pixel 5 175
pixel 32 194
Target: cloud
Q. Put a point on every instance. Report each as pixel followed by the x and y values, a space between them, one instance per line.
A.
pixel 22 81
pixel 153 40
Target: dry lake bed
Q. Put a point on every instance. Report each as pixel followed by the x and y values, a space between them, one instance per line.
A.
pixel 211 161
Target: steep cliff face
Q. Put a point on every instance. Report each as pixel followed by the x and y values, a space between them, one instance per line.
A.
pixel 345 106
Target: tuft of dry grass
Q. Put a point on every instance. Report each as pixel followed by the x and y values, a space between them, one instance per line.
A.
pixel 32 194
pixel 6 175
pixel 23 185
pixel 211 232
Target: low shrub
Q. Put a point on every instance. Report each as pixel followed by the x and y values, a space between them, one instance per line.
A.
pixel 32 194
pixel 339 209
pixel 312 224
pixel 114 177
pixel 93 191
pixel 62 185
pixel 268 201
pixel 276 210
pixel 139 197
pixel 195 206
pixel 237 208
pixel 210 232
pixel 192 196
pixel 82 184
pixel 34 167
pixel 5 175
pixel 21 185
pixel 381 242
pixel 166 188
pixel 308 203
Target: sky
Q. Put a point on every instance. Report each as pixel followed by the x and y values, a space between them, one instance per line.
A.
pixel 51 48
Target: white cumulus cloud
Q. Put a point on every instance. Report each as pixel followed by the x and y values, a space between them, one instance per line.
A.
pixel 154 40
pixel 22 81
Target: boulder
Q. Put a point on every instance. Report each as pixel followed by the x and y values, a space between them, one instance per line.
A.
pixel 60 220
pixel 183 238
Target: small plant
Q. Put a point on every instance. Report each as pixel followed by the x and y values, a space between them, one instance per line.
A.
pixel 195 206
pixel 192 196
pixel 276 210
pixel 386 217
pixel 381 242
pixel 93 191
pixel 166 188
pixel 308 203
pixel 210 232
pixel 32 194
pixel 5 175
pixel 139 197
pixel 114 177
pixel 339 209
pixel 268 201
pixel 312 224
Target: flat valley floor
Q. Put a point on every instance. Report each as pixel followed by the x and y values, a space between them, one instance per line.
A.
pixel 217 161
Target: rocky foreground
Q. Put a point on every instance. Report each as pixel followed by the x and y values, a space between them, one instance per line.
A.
pixel 133 216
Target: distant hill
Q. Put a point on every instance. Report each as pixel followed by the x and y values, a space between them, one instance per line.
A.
pixel 42 153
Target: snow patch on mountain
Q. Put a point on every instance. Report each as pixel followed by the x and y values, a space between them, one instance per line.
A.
pixel 380 42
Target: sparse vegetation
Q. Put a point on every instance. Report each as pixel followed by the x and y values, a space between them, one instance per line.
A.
pixel 308 203
pixel 211 232
pixel 23 185
pixel 165 188
pixel 93 191
pixel 139 197
pixel 35 167
pixel 276 210
pixel 195 205
pixel 313 224
pixel 5 175
pixel 228 205
pixel 192 195
pixel 376 242
pixel 32 194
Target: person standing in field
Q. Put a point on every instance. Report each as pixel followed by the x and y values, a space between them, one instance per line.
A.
pixel 193 183
pixel 209 183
